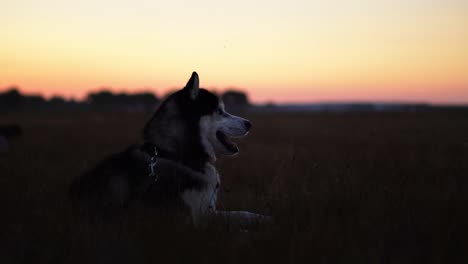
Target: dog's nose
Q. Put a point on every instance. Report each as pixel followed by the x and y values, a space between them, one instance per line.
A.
pixel 247 124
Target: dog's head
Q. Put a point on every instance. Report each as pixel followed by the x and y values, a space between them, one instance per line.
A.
pixel 193 121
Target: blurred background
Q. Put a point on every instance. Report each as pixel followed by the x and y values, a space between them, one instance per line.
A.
pixel 277 51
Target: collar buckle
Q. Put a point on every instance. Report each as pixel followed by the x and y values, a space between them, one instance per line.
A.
pixel 152 165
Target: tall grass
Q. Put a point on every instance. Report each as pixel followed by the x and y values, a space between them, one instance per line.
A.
pixel 343 188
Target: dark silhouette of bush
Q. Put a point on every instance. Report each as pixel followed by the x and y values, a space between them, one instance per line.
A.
pixel 32 101
pixel 13 100
pixel 106 100
pixel 101 98
pixel 235 100
pixel 57 101
pixel 10 99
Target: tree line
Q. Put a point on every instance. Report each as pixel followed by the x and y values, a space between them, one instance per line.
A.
pixel 104 100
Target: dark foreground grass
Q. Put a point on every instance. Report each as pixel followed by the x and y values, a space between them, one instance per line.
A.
pixel 343 188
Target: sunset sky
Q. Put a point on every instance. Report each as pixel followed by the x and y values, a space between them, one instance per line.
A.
pixel 283 51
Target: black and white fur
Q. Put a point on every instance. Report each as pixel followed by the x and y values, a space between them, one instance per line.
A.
pixel 188 130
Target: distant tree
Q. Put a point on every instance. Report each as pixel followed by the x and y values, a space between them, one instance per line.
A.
pixel 144 98
pixel 11 99
pixel 57 100
pixel 270 105
pixel 58 103
pixel 32 101
pixel 101 98
pixel 122 101
pixel 235 100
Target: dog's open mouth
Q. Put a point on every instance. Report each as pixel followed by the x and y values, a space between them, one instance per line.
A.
pixel 227 143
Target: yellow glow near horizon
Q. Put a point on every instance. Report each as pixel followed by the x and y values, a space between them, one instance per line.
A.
pixel 285 51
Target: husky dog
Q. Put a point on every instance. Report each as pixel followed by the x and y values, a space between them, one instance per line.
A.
pixel 174 168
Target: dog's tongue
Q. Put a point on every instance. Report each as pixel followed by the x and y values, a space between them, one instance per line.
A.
pixel 231 146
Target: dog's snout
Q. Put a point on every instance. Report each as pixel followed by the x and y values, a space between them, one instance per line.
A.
pixel 247 124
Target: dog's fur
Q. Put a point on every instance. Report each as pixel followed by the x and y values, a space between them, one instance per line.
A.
pixel 188 130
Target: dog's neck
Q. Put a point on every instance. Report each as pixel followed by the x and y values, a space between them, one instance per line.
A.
pixel 195 161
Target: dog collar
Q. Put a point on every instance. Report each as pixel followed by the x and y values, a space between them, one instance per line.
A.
pixel 152 164
pixel 155 153
pixel 153 150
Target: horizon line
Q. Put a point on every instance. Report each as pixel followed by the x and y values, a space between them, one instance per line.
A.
pixel 218 91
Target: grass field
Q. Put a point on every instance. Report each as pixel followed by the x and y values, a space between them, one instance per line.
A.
pixel 343 188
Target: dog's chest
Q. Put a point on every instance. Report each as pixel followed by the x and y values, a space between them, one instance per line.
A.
pixel 203 200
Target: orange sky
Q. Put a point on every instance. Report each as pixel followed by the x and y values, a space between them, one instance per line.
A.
pixel 285 51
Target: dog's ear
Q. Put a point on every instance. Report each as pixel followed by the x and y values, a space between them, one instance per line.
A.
pixel 192 86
